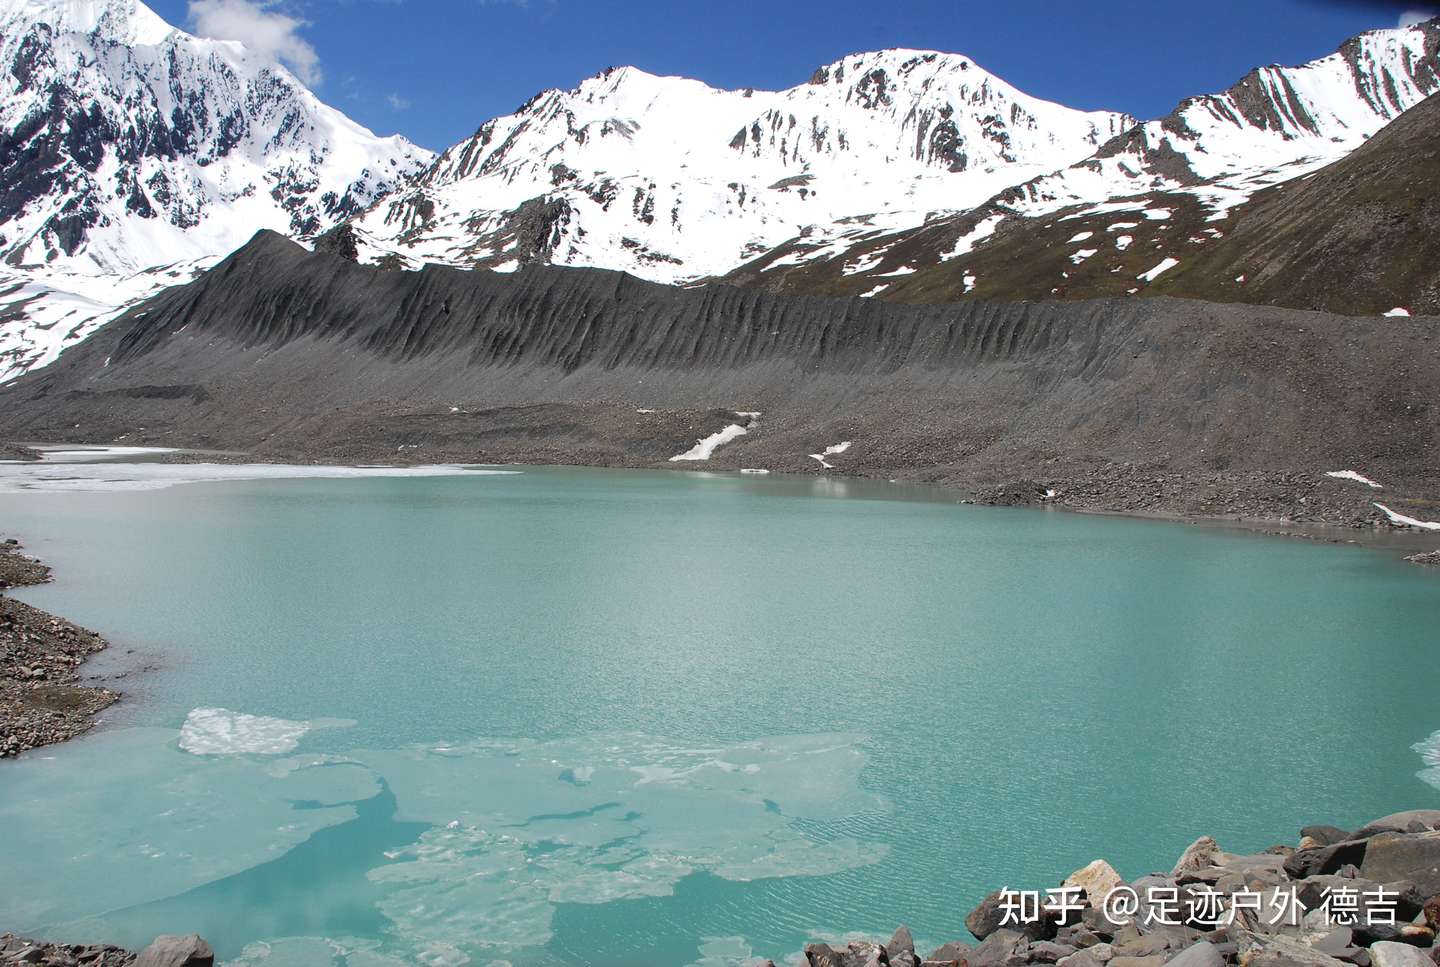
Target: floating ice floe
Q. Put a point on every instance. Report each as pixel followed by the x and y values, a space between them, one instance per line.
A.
pixel 84 454
pixel 219 731
pixel 1429 751
pixel 1409 521
pixel 513 833
pixel 114 475
pixel 830 451
pixel 753 470
pixel 1352 475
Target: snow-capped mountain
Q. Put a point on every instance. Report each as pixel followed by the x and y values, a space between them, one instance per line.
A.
pixel 673 180
pixel 1277 123
pixel 126 144
pixel 1203 162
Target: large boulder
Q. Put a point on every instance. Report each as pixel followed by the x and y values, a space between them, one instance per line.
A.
pixel 900 942
pixel 169 950
pixel 1001 949
pixel 1410 821
pixel 1096 956
pixel 1096 879
pixel 861 953
pixel 1322 860
pixel 1325 835
pixel 1284 952
pixel 821 955
pixel 1387 954
pixel 989 917
pixel 1202 954
pixel 1397 856
pixel 900 951
pixel 954 952
pixel 1202 853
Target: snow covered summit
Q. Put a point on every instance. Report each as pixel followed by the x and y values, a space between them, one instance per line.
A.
pixel 126 143
pixel 674 180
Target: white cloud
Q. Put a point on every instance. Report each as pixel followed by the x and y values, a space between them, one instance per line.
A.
pixel 397 102
pixel 1412 17
pixel 262 29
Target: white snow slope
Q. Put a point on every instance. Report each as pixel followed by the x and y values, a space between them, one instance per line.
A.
pixel 672 180
pixel 126 144
pixel 1277 123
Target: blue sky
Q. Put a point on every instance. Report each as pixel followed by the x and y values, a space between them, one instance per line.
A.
pixel 435 69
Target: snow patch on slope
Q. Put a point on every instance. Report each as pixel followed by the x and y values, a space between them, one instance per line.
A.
pixel 1352 475
pixel 1401 519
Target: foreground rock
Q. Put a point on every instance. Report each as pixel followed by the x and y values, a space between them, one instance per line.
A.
pixel 18 950
pixel 166 951
pixel 1368 898
pixel 41 701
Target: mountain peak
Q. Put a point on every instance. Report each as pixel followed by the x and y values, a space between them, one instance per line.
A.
pixel 119 21
pixel 902 60
pixel 132 144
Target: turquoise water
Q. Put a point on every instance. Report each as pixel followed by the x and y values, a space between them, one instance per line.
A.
pixel 599 717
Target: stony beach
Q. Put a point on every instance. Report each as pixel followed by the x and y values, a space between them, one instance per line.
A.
pixel 1364 898
pixel 41 700
pixel 166 951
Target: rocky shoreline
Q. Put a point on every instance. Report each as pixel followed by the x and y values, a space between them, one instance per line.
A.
pixel 166 951
pixel 1367 898
pixel 41 700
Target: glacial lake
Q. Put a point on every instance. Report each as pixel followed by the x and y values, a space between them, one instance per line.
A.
pixel 564 717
